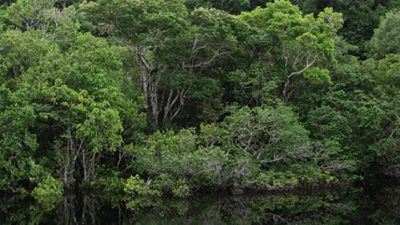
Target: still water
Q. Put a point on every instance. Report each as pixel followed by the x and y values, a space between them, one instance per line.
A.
pixel 368 206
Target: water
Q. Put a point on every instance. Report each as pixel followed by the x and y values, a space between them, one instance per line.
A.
pixel 373 206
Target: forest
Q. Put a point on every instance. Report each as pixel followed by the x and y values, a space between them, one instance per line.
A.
pixel 140 99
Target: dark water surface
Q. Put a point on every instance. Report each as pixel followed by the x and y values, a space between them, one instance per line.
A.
pixel 368 206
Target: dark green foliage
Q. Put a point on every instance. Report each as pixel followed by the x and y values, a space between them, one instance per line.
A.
pixel 232 6
pixel 385 38
pixel 139 99
pixel 357 29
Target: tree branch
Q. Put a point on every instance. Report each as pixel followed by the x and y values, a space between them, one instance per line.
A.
pixel 216 55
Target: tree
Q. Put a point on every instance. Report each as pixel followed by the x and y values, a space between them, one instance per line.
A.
pixel 17 147
pixel 74 107
pixel 172 47
pixel 306 43
pixel 43 15
pixel 19 53
pixel 384 41
pixel 356 29
pixel 385 72
pixel 269 134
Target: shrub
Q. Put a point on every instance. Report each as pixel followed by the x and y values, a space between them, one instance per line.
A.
pixel 48 192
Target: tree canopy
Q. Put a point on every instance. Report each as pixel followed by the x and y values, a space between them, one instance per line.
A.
pixel 139 99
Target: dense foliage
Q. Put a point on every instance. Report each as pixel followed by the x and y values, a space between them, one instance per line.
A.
pixel 139 99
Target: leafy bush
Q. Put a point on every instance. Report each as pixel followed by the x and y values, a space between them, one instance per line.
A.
pixel 269 134
pixel 48 192
pixel 136 186
pixel 181 189
pixel 175 156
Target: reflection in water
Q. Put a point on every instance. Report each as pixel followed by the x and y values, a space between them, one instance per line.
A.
pixel 68 212
pixel 378 207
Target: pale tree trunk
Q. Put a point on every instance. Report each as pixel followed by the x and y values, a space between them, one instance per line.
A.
pixel 174 104
pixel 89 165
pixel 69 158
pixel 74 151
pixel 150 77
pixel 150 87
pixel 154 79
pixel 286 87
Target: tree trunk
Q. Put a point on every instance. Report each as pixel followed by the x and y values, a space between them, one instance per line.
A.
pixel 285 90
pixel 154 100
pixel 150 92
pixel 69 163
pixel 150 87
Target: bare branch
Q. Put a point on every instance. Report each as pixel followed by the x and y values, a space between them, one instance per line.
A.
pixel 144 62
pixel 216 55
pixel 307 66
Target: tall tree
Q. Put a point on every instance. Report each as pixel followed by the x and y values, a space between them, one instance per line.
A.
pixel 306 43
pixel 170 44
pixel 385 38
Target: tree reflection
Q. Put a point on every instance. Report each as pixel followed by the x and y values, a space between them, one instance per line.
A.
pixel 379 207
